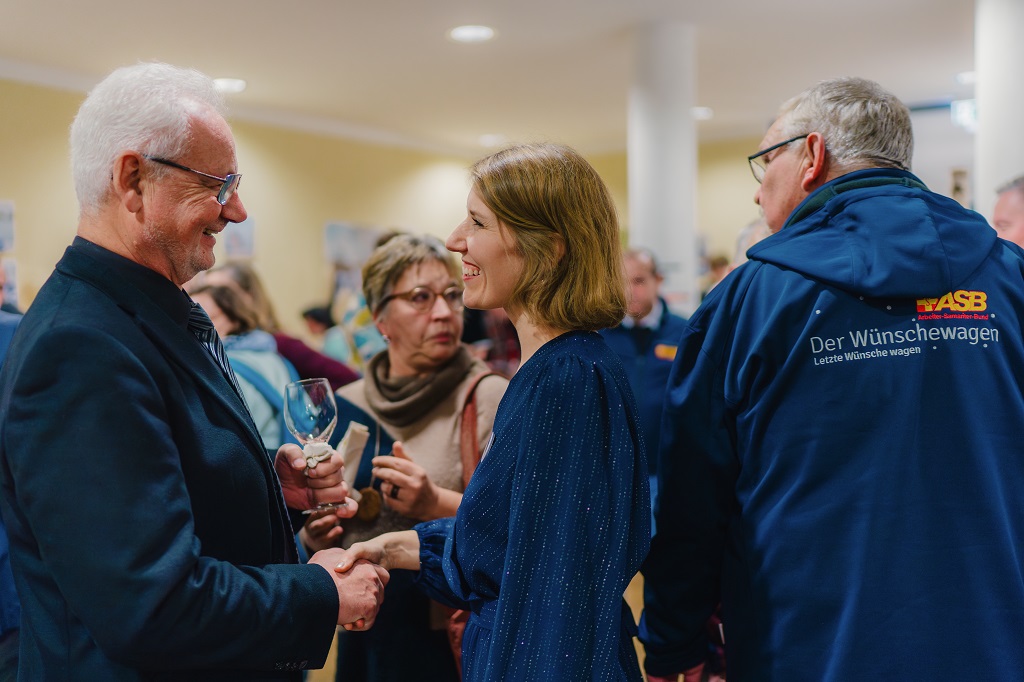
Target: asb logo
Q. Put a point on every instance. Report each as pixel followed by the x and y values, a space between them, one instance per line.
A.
pixel 960 301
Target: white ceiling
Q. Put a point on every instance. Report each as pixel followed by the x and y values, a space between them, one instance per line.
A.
pixel 558 70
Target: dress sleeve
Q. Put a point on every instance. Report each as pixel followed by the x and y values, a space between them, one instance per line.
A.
pixel 435 546
pixel 698 469
pixel 578 528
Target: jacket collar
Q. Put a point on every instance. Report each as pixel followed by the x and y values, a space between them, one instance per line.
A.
pixel 160 310
pixel 872 177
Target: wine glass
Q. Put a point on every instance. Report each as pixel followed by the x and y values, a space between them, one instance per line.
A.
pixel 311 414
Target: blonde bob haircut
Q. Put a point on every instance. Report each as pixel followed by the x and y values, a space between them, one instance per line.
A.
pixel 563 222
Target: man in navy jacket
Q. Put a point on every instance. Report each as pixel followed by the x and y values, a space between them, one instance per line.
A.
pixel 148 528
pixel 646 343
pixel 842 425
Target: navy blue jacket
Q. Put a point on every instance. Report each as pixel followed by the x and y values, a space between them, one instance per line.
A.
pixel 648 371
pixel 10 608
pixel 148 534
pixel 841 440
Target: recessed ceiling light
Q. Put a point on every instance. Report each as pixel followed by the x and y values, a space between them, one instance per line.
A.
pixel 964 113
pixel 702 113
pixel 229 85
pixel 471 34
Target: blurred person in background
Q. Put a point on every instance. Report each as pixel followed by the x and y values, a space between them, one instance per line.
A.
pixel 6 306
pixel 308 362
pixel 349 343
pixel 261 372
pixel 332 339
pixel 750 234
pixel 646 342
pixel 1008 216
pixel 348 305
pixel 718 268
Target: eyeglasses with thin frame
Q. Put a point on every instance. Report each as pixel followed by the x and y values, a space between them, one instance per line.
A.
pixel 229 183
pixel 756 161
pixel 422 299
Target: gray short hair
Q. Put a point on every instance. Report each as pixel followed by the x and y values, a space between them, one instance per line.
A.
pixel 145 108
pixel 1017 184
pixel 864 125
pixel 389 262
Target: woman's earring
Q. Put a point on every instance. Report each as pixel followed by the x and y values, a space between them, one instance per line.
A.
pixel 387 339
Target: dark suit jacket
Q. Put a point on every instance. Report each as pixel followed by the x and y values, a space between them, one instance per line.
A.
pixel 148 533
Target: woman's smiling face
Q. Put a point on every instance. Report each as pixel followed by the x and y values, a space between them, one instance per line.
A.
pixel 491 264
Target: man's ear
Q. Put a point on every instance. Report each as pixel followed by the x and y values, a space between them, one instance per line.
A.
pixel 127 181
pixel 815 163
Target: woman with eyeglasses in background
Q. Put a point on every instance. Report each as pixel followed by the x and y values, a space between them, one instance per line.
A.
pixel 413 400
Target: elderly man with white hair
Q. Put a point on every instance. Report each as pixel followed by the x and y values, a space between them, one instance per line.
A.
pixel 148 527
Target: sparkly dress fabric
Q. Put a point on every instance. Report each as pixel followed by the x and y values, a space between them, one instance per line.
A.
pixel 554 524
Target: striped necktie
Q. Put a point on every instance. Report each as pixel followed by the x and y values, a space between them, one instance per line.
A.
pixel 202 328
pixel 200 325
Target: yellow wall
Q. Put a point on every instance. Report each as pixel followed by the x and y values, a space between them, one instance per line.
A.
pixel 725 193
pixel 725 190
pixel 35 174
pixel 294 184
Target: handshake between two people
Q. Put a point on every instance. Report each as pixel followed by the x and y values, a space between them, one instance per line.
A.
pixel 307 486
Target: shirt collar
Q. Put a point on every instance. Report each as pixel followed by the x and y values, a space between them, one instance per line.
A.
pixel 650 321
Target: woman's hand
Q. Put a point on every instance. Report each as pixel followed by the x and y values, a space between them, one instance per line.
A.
pixel 408 490
pixel 400 549
pixel 320 531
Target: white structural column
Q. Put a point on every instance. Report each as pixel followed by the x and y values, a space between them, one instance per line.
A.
pixel 662 157
pixel 999 92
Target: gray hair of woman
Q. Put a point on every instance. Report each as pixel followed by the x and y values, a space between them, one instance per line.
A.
pixel 146 108
pixel 864 125
pixel 390 260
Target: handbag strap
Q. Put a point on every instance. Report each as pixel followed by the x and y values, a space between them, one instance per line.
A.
pixel 272 395
pixel 469 445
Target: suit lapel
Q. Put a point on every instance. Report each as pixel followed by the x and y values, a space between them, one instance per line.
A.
pixel 183 349
pixel 175 341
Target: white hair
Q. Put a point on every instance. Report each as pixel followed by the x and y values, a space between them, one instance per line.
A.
pixel 863 125
pixel 145 108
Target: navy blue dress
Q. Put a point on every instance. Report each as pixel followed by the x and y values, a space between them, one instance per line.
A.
pixel 554 524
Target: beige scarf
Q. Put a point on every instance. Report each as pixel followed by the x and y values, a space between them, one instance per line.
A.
pixel 402 400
